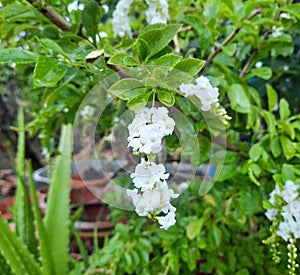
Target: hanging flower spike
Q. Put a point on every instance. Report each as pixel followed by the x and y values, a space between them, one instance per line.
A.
pixel 120 20
pixel 289 210
pixel 151 196
pixel 157 11
pixel 148 128
pixel 207 94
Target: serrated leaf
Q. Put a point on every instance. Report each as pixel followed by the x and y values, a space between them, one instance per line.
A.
pixel 190 65
pixel 166 97
pixel 255 152
pixel 138 102
pixel 272 97
pixel 239 100
pixel 15 253
pixel 48 71
pixel 46 257
pixel 194 228
pixel 263 72
pixel 284 109
pixel 57 218
pixel 18 56
pixel 126 88
pixel 158 38
pixel 23 216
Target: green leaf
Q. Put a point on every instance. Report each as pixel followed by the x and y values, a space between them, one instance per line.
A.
pixel 142 48
pixel 49 44
pixel 15 252
pixel 288 147
pixel 90 18
pixel 166 97
pixel 272 97
pixel 167 60
pixel 194 228
pixel 126 88
pixel 138 102
pixel 46 257
pixel 23 216
pixel 239 100
pixel 159 38
pixel 123 60
pixel 190 65
pixel 263 72
pixel 48 71
pixel 293 9
pixel 18 56
pixel 288 128
pixel 284 110
pixel 275 146
pixel 255 152
pixel 229 49
pixel 217 234
pixel 287 172
pixel 270 120
pixel 57 216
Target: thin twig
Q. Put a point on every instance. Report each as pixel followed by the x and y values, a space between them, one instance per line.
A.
pixel 176 44
pixel 227 40
pixel 52 15
pixel 254 53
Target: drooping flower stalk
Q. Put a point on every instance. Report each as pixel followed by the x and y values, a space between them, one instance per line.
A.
pixel 151 195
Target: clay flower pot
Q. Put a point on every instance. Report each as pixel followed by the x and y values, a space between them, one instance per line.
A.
pixel 5 204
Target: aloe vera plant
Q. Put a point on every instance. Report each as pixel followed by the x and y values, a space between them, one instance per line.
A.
pixel 20 251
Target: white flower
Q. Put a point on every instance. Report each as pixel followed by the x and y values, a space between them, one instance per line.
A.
pixel 87 111
pixel 290 191
pixel 120 20
pixel 167 220
pixel 277 31
pixel 271 213
pixel 207 94
pixel 290 211
pixel 285 15
pixel 258 64
pixel 157 11
pixel 284 231
pixel 148 128
pixel 147 174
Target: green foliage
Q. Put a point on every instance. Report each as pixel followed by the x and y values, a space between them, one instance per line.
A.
pixel 19 249
pixel 248 49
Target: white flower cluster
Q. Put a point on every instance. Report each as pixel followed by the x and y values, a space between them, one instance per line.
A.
pixel 207 94
pixel 148 128
pixel 151 195
pixel 120 20
pixel 157 11
pixel 87 112
pixel 290 226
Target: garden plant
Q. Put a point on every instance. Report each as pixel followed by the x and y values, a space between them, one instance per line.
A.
pixel 209 85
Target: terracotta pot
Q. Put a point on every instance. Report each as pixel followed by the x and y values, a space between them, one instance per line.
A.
pixel 5 204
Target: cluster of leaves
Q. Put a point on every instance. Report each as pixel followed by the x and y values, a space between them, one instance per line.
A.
pixel 21 252
pixel 219 233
